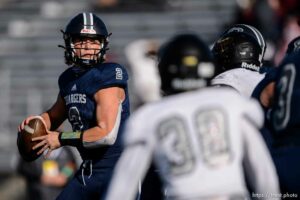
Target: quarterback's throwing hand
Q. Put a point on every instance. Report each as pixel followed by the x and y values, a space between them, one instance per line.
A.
pixel 49 142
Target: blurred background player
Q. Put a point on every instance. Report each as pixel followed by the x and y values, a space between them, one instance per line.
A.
pixel 265 89
pixel 194 138
pixel 285 122
pixel 93 97
pixel 239 52
pixel 45 178
pixel 280 130
pixel 142 59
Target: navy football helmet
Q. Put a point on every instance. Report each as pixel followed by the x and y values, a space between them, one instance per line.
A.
pixel 240 46
pixel 85 25
pixel 185 63
pixel 294 45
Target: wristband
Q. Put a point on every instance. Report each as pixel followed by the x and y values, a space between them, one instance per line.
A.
pixel 70 138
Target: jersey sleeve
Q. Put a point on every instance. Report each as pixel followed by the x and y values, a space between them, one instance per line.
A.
pixel 253 112
pixel 131 168
pixel 139 130
pixel 262 177
pixel 108 75
pixel 259 168
pixel 136 158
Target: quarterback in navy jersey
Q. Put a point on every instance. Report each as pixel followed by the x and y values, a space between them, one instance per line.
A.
pixel 93 96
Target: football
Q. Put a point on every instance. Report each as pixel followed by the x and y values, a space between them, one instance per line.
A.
pixel 34 128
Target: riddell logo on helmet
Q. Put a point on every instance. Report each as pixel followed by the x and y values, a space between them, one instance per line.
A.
pixel 90 31
pixel 250 66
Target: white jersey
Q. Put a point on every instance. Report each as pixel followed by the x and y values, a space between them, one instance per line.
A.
pixel 243 80
pixel 198 141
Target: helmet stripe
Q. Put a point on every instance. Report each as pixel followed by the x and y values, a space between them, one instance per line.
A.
pixel 260 39
pixel 88 21
pixel 84 20
pixel 255 33
pixel 92 21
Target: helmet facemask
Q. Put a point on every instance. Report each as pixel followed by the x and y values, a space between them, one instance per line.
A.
pixel 87 51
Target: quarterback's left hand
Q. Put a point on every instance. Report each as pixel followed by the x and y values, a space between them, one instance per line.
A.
pixel 49 142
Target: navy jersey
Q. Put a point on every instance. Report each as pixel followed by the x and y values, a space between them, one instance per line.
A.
pixel 285 115
pixel 285 120
pixel 78 86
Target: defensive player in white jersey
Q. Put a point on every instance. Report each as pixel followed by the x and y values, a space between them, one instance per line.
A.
pixel 202 141
pixel 239 51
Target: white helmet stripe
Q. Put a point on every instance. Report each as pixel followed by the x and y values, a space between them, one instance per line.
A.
pixel 255 33
pixel 260 40
pixel 84 20
pixel 92 21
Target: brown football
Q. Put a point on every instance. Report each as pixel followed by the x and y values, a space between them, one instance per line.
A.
pixel 34 128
